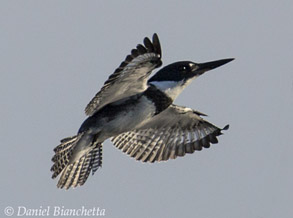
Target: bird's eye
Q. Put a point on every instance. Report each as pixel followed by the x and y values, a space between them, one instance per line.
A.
pixel 184 68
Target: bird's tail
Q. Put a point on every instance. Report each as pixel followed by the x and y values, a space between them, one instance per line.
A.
pixel 76 173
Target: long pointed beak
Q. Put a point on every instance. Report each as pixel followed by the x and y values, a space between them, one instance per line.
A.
pixel 203 67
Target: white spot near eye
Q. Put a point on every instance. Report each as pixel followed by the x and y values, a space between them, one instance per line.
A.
pixel 191 65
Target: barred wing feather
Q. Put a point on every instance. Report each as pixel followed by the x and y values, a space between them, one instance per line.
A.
pixel 130 77
pixel 172 133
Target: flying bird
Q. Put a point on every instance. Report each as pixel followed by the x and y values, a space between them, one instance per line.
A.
pixel 138 115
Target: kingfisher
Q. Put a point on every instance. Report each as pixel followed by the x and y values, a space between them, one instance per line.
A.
pixel 138 115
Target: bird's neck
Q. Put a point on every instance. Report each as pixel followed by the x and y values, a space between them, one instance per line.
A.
pixel 159 98
pixel 170 88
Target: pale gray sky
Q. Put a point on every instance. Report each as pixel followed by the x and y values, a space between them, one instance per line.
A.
pixel 54 57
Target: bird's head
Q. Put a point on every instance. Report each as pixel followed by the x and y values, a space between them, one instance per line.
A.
pixel 173 78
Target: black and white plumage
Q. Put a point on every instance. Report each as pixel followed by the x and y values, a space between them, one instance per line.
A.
pixel 174 132
pixel 138 115
pixel 130 77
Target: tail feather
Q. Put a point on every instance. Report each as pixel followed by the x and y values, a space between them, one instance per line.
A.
pixel 97 160
pixel 65 174
pixel 73 175
pixel 65 144
pixel 76 174
pixel 63 153
pixel 85 170
pixel 93 163
pixel 60 164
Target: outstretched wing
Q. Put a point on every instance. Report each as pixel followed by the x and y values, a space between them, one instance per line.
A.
pixel 174 132
pixel 130 77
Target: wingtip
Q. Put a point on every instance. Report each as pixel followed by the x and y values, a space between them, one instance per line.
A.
pixel 226 127
pixel 148 44
pixel 157 45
